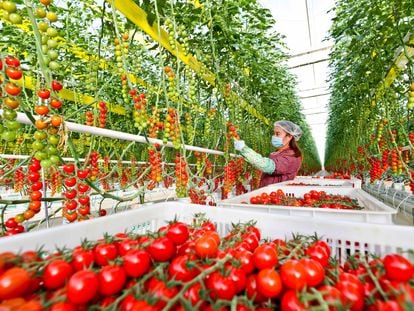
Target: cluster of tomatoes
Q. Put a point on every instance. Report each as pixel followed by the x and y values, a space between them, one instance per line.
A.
pixel 77 203
pixel 155 125
pixel 19 179
pixel 181 176
pixel 56 182
pixel 102 114
pixel 376 170
pixel 172 128
pixel 396 164
pixel 11 12
pixel 232 130
pixel 190 267
pixel 140 113
pixel 313 198
pixel 177 34
pixel 156 164
pixel 89 118
pixel 410 104
pixel 13 73
pixel 199 197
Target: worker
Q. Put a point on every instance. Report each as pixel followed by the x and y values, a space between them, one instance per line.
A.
pixel 284 163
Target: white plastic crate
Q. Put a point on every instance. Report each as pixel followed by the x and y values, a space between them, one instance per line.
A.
pixel 322 182
pixel 374 210
pixel 345 238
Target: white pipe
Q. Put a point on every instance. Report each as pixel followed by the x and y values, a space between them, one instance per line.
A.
pixel 80 128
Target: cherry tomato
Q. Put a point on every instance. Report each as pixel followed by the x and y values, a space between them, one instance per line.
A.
pixel 180 270
pixel 269 283
pixel 43 93
pixel 178 233
pixel 291 302
pixel 68 168
pixel 246 261
pixel 62 306
pixel 158 289
pixel 136 262
pixel 319 254
pixel 352 295
pixel 162 249
pixel 315 274
pixel 331 295
pixel 293 274
pixel 12 61
pixel 14 73
pixel 13 283
pixel 56 85
pixel 208 226
pixel 56 274
pixel 206 247
pixel 82 287
pixel 265 256
pixel 82 259
pixel 238 276
pixel 111 280
pixel 104 253
pixel 398 268
pixel 220 287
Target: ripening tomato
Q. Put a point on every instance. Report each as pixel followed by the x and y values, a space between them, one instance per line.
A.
pixel 35 196
pixel 12 89
pixel 55 103
pixel 14 73
pixel 12 61
pixel 62 306
pixel 13 283
pixel 82 287
pixel 56 274
pixel 43 93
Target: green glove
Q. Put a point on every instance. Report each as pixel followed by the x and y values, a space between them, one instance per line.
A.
pixel 266 165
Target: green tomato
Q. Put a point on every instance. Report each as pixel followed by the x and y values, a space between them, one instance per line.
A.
pixel 15 18
pixel 13 125
pixel 9 114
pixel 43 26
pixel 54 65
pixel 52 43
pixel 54 159
pixel 40 135
pixel 38 145
pixel 53 140
pixel 52 150
pixel 40 155
pixel 45 48
pixel 8 136
pixel 53 54
pixel 46 163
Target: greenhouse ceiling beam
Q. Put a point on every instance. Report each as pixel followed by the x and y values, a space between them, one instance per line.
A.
pixel 403 53
pixel 86 129
pixel 138 16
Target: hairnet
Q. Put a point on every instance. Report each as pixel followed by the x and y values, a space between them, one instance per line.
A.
pixel 290 127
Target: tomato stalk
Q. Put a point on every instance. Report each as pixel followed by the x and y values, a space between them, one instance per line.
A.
pixel 374 280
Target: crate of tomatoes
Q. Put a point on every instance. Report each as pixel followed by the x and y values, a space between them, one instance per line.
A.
pixel 177 256
pixel 336 203
pixel 303 181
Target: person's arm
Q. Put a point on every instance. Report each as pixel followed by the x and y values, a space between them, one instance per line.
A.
pixel 266 165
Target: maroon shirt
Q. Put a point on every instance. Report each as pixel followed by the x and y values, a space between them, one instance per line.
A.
pixel 287 166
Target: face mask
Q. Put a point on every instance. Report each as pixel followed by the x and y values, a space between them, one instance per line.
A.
pixel 277 142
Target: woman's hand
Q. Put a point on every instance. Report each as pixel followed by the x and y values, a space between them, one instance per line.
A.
pixel 239 144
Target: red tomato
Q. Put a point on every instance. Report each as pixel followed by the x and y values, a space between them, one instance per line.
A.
pixel 31 305
pixel 158 289
pixel 291 302
pixel 56 85
pixel 142 305
pixel 390 305
pixel 13 283
pixel 14 73
pixel 82 174
pixel 43 93
pixel 128 303
pixel 220 287
pixel 127 244
pixel 186 248
pixel 265 256
pixel 82 287
pixel 352 295
pixel 293 274
pixel 104 253
pixel 251 289
pixel 269 283
pixel 193 294
pixel 12 61
pixel 62 306
pixel 251 240
pixel 238 276
pixel 246 261
pixel 83 187
pixel 208 226
pixel 56 274
pixel 398 268
pixel 180 271
pixel 162 249
pixel 12 89
pixel 70 182
pixel 324 245
pixel 111 280
pixel 331 295
pixel 178 233
pixel 68 168
pixel 255 230
pixel 206 247
pixel 136 262
pixel 319 254
pixel 82 259
pixel 315 274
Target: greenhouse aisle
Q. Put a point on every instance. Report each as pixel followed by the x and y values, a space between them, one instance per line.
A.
pixel 229 155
